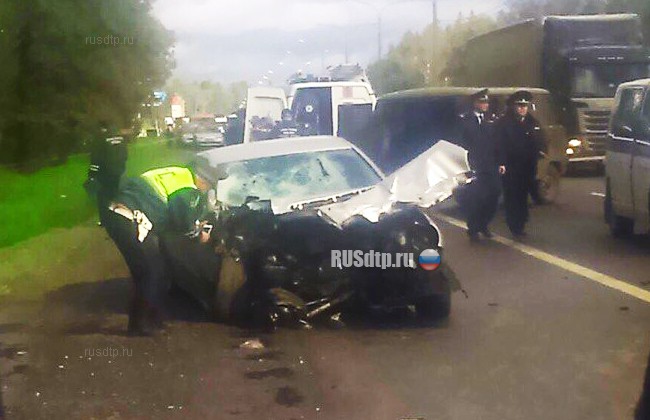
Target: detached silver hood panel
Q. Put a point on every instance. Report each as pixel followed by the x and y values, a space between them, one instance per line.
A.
pixel 425 181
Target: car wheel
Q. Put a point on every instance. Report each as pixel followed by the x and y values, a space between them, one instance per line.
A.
pixel 549 185
pixel 619 226
pixel 230 291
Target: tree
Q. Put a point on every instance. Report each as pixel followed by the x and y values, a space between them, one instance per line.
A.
pixel 389 75
pixel 209 97
pixel 420 58
pixel 76 63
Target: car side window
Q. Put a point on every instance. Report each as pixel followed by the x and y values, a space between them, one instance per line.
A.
pixel 627 112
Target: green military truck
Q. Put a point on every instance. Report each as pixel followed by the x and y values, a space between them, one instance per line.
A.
pixel 407 123
pixel 581 60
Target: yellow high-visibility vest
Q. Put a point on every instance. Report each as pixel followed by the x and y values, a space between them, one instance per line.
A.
pixel 166 181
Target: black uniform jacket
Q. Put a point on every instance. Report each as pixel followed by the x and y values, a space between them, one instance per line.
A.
pixel 521 141
pixel 484 151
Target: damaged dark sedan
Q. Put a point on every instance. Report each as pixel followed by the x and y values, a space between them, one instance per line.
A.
pixel 286 213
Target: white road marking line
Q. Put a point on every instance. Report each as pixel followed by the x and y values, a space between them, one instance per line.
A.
pixel 585 272
pixel 597 194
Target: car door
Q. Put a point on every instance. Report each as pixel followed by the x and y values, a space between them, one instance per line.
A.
pixel 641 169
pixel 620 148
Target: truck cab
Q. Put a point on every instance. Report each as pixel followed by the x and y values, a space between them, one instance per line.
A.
pixel 586 59
pixel 580 60
pixel 627 197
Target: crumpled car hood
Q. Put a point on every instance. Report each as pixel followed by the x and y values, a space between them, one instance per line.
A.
pixel 425 181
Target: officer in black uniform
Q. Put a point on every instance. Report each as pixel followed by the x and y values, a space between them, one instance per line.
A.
pixel 487 162
pixel 138 215
pixel 286 127
pixel 134 213
pixel 522 141
pixel 108 156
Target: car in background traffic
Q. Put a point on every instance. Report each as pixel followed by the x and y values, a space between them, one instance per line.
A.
pixel 203 133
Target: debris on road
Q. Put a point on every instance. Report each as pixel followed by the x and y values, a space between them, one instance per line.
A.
pixel 254 344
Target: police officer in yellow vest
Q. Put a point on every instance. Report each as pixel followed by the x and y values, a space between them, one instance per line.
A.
pixel 161 200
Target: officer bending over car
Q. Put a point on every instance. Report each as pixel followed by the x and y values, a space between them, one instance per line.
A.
pixel 135 214
pixel 486 160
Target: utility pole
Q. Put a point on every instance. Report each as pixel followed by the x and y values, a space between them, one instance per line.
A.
pixel 435 14
pixel 434 29
pixel 378 36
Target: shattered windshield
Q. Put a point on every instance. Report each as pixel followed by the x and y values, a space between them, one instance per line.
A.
pixel 296 177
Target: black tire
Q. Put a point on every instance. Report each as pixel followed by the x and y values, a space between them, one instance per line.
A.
pixel 619 226
pixel 549 186
pixel 230 291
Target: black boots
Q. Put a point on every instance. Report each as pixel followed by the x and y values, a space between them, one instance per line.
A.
pixel 144 320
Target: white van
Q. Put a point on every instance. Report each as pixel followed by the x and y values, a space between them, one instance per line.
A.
pixel 627 200
pixel 333 103
pixel 319 108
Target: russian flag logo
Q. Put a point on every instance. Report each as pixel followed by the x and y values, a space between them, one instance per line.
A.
pixel 429 259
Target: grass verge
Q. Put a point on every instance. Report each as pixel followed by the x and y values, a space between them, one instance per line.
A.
pixel 32 204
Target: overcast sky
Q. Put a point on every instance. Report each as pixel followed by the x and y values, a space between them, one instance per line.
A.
pixel 229 40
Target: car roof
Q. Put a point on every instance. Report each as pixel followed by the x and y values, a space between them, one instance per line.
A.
pixel 640 82
pixel 307 85
pixel 277 147
pixel 456 91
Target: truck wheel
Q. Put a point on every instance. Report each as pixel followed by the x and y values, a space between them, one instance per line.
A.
pixel 549 185
pixel 230 292
pixel 619 226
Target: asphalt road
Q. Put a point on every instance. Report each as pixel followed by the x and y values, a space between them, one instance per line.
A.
pixel 533 338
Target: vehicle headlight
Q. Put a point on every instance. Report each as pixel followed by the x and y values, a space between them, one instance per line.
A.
pixel 569 151
pixel 574 143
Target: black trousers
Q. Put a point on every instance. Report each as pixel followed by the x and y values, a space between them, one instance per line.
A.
pixel 533 187
pixel 482 202
pixel 516 186
pixel 144 260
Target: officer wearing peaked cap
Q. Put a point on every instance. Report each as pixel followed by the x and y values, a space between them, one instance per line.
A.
pixel 522 142
pixel 485 159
